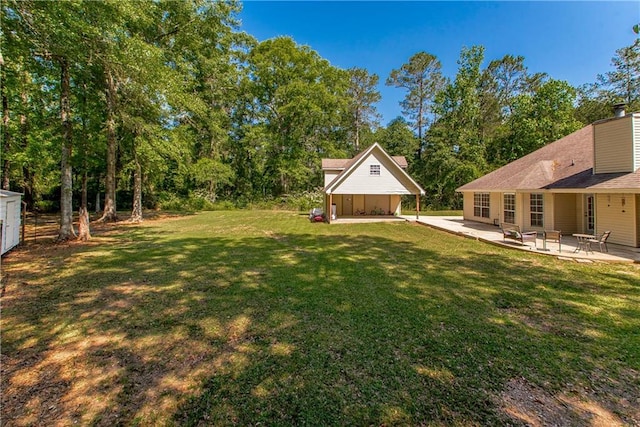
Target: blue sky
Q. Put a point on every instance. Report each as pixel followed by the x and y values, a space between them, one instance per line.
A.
pixel 572 41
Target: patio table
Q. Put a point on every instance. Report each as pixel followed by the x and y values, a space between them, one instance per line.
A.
pixel 583 242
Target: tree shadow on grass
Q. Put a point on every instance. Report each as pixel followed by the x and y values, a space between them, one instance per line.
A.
pixel 304 328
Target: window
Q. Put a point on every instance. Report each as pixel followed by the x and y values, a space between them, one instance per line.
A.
pixel 481 205
pixel 374 170
pixel 510 208
pixel 537 208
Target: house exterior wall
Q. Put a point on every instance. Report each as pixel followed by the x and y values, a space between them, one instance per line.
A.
pixel 395 204
pixel 375 202
pixel 329 176
pixel 565 213
pixel 636 142
pixel 495 207
pixel 358 203
pixel 638 219
pixel 360 181
pixel 467 208
pixel 613 146
pixel 620 220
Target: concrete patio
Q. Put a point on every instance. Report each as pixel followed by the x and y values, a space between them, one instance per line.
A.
pixel 492 234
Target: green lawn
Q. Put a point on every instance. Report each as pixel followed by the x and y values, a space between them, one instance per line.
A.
pixel 257 317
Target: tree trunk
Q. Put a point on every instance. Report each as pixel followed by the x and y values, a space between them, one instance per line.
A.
pixel 6 136
pixel 66 194
pixel 27 174
pixel 136 211
pixel 84 232
pixel 110 214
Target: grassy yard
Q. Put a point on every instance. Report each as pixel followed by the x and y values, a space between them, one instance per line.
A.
pixel 251 317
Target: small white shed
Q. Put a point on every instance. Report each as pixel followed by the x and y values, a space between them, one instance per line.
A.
pixel 10 207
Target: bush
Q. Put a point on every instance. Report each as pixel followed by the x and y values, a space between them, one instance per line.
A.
pixel 303 200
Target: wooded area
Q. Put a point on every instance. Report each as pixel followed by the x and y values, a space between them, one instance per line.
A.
pixel 118 105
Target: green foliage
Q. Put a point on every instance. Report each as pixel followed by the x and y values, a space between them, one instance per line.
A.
pixel 175 94
pixel 422 78
pixel 304 200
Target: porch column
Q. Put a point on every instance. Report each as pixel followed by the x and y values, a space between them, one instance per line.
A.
pixel 328 213
pixel 417 206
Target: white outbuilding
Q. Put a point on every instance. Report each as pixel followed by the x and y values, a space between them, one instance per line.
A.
pixel 10 204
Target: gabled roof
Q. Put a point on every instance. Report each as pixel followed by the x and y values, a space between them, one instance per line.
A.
pixel 564 164
pixel 349 165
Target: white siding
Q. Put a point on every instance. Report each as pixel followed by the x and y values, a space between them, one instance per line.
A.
pixel 620 220
pixel 636 141
pixel 10 217
pixel 613 146
pixel 330 176
pixel 361 182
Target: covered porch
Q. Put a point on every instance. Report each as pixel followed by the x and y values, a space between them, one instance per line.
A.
pixel 363 206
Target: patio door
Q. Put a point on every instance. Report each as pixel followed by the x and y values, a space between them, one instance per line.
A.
pixel 589 213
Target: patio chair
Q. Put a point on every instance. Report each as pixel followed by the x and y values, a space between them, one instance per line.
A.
pixel 602 241
pixel 552 236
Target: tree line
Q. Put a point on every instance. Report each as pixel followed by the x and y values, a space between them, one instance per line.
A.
pixel 124 105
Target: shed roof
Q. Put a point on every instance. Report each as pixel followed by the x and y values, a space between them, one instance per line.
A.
pixel 7 193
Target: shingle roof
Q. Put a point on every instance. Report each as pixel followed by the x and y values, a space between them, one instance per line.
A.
pixel 559 160
pixel 564 164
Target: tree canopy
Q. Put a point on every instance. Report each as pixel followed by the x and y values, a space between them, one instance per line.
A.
pixel 124 105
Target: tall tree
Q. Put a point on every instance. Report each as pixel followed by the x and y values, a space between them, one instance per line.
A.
pixel 298 100
pixel 54 33
pixel 623 83
pixel 542 118
pixel 422 78
pixel 457 149
pixel 362 95
pixel 398 139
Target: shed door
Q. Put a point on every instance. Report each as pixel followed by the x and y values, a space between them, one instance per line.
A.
pixel 9 231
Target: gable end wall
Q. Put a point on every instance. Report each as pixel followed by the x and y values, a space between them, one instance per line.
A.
pixel 636 142
pixel 361 182
pixel 613 146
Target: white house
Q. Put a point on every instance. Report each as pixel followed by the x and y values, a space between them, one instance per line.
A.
pixel 371 183
pixel 10 204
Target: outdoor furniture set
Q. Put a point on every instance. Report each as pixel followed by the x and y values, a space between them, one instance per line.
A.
pixel 513 232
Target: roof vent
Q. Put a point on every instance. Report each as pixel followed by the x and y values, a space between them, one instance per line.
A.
pixel 618 109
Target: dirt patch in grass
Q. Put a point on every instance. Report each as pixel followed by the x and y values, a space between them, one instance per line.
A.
pixel 534 406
